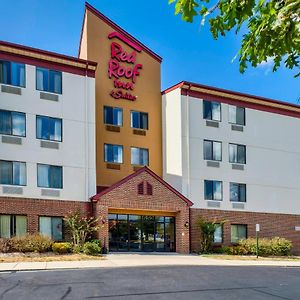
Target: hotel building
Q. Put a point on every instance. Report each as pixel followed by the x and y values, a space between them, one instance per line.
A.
pixel 96 134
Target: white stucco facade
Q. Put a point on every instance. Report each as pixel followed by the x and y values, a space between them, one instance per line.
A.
pixel 272 169
pixel 76 152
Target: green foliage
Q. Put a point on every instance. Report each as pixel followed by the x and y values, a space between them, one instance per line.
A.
pixel 271 28
pixel 207 229
pixel 61 248
pixel 31 243
pixel 80 227
pixel 276 246
pixel 77 249
pixel 267 247
pixel 96 241
pixel 91 248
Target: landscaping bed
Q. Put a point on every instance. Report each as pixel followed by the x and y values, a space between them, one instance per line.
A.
pixel 251 257
pixel 45 257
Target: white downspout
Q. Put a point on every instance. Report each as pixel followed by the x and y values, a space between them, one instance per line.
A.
pixel 86 136
pixel 187 115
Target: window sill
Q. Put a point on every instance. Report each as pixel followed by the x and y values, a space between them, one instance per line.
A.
pixel 137 167
pixel 49 144
pixel 50 192
pixel 213 203
pixel 10 139
pixel 213 163
pixel 238 205
pixel 12 189
pixel 139 131
pixel 239 167
pixel 49 96
pixel 113 166
pixel 113 128
pixel 11 89
pixel 236 127
pixel 212 123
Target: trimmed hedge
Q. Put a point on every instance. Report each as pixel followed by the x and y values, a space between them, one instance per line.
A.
pixel 90 248
pixel 266 247
pixel 31 243
pixel 61 248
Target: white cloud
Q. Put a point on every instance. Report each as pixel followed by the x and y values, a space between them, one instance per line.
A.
pixel 267 65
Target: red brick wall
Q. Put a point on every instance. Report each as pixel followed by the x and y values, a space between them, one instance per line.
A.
pixel 271 225
pixel 125 197
pixel 33 208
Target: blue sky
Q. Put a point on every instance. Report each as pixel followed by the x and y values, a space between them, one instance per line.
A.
pixel 189 53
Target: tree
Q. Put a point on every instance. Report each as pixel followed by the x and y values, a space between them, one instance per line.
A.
pixel 207 229
pixel 81 227
pixel 271 27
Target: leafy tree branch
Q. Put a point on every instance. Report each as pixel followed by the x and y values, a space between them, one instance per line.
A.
pixel 272 27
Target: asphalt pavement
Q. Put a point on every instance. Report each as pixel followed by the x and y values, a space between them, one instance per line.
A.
pixel 159 282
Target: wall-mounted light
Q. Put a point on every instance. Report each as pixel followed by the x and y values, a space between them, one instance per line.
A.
pixel 186 224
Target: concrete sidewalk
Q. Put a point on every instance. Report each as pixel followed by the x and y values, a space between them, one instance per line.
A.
pixel 139 260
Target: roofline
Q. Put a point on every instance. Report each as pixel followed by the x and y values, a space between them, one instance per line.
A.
pixel 45 58
pixel 46 52
pixel 280 106
pixel 127 178
pixel 117 28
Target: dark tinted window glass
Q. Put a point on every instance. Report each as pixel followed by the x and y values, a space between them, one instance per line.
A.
pixel 12 73
pixel 49 176
pixel 48 128
pixel 49 80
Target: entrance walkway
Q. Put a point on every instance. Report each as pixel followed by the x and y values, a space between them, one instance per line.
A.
pixel 119 260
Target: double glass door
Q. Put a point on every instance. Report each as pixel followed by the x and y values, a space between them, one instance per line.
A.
pixel 141 233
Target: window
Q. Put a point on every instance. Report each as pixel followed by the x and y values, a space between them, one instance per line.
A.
pixel 48 128
pixel 139 120
pixel 141 188
pixel 211 110
pixel 113 116
pixel 113 153
pixel 48 80
pixel 237 153
pixel 213 190
pixel 237 115
pixel 12 123
pixel 11 225
pixel 51 227
pixel 212 150
pixel 218 234
pixel 149 189
pixel 12 172
pixel 139 156
pixel 49 176
pixel 12 73
pixel 237 192
pixel 238 232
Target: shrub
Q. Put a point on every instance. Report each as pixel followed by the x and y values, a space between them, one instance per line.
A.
pixel 275 246
pixel 81 228
pixel 281 246
pixel 31 243
pixel 5 245
pixel 207 230
pixel 77 249
pixel 61 248
pixel 90 248
pixel 97 242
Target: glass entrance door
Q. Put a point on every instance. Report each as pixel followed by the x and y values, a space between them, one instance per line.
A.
pixel 148 239
pixel 141 233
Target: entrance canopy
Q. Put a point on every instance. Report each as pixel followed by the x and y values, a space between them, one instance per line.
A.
pixel 143 195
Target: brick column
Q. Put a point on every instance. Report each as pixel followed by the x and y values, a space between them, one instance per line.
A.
pixel 182 231
pixel 102 213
